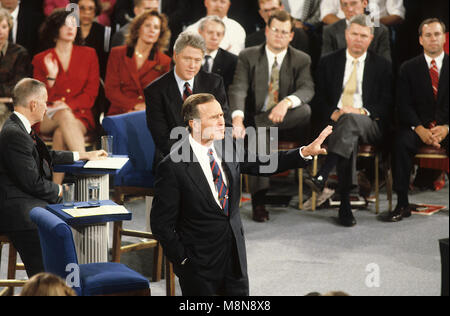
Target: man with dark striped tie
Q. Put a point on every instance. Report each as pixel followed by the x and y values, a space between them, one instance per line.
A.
pixel 423 109
pixel 165 96
pixel 195 213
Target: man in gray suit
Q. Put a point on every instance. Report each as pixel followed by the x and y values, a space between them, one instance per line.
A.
pixel 334 34
pixel 271 88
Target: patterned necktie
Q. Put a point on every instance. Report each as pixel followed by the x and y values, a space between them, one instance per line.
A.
pixel 218 182
pixel 274 86
pixel 187 91
pixel 351 87
pixel 434 74
pixel 207 65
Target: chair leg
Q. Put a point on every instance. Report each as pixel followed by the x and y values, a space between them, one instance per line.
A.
pixel 157 263
pixel 117 242
pixel 314 195
pixel 389 186
pixel 300 189
pixel 377 183
pixel 170 279
pixel 12 265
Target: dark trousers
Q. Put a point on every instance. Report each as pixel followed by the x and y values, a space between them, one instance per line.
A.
pixel 230 284
pixel 406 146
pixel 28 246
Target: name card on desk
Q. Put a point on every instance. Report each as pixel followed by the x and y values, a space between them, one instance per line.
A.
pixel 108 163
pixel 97 211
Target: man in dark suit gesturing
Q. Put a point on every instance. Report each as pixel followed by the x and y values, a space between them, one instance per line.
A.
pixel 423 109
pixel 195 212
pixel 165 96
pixel 354 94
pixel 26 172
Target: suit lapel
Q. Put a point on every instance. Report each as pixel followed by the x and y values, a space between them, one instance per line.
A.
pixel 131 67
pixel 339 74
pixel 443 80
pixel 261 79
pixel 217 67
pixel 285 75
pixel 426 79
pixel 367 78
pixel 174 99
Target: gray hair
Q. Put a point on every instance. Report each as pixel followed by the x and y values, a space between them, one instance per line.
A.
pixel 4 15
pixel 362 20
pixel 189 38
pixel 25 89
pixel 211 18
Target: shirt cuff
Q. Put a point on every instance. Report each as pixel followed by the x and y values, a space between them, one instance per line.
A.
pixel 296 102
pixel 76 156
pixel 301 155
pixel 237 113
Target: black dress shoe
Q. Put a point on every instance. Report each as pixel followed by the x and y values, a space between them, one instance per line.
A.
pixel 398 214
pixel 260 214
pixel 317 183
pixel 346 218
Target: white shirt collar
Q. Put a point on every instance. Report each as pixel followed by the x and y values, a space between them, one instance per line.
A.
pixel 213 54
pixel 200 150
pixel 181 82
pixel 271 56
pixel 15 13
pixel 360 59
pixel 24 121
pixel 439 60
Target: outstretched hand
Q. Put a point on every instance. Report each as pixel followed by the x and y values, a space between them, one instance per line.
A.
pixel 315 148
pixel 94 155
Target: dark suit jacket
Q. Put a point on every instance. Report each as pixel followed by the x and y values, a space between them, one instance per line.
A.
pixel 334 39
pixel 377 87
pixel 415 99
pixel 225 65
pixel 186 218
pixel 25 175
pixel 250 84
pixel 14 66
pixel 300 40
pixel 164 105
pixel 28 24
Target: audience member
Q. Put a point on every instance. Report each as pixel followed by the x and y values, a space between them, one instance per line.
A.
pixel 305 12
pixel 26 172
pixel 46 284
pixel 94 34
pixel 334 35
pixel 217 60
pixel 389 12
pixel 52 5
pixel 71 75
pixel 266 8
pixel 133 67
pixel 234 40
pixel 272 86
pixel 26 22
pixel 423 109
pixel 140 6
pixel 15 63
pixel 353 94
pixel 165 96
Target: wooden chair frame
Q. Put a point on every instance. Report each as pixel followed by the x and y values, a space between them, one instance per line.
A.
pixel 13 266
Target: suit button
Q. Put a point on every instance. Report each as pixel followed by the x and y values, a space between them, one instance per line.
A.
pixel 63 99
pixel 140 97
pixel 68 90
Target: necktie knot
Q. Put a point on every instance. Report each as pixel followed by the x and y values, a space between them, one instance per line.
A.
pixel 187 91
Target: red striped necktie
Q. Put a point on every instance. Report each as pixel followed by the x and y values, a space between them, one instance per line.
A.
pixel 219 183
pixel 434 74
pixel 187 91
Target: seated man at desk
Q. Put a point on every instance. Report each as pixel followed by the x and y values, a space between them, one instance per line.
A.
pixel 26 172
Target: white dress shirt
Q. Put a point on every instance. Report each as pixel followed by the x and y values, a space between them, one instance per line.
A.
pixel 201 153
pixel 358 97
pixel 14 16
pixel 439 61
pixel 234 39
pixel 385 8
pixel 296 7
pixel 181 82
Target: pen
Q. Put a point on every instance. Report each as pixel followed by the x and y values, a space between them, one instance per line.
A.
pixel 86 206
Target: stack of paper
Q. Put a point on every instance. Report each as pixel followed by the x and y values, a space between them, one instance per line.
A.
pixel 108 163
pixel 97 211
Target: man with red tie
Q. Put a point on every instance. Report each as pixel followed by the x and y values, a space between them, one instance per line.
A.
pixel 423 109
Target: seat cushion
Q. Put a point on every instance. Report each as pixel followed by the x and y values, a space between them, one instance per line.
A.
pixel 131 177
pixel 109 278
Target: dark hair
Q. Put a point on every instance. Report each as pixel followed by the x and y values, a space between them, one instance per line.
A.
pixel 49 31
pixel 98 6
pixel 429 21
pixel 190 106
pixel 164 35
pixel 282 16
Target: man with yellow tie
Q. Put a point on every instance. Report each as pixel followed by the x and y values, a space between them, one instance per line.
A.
pixel 354 94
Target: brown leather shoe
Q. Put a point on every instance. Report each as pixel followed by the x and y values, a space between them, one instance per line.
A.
pixel 260 214
pixel 398 214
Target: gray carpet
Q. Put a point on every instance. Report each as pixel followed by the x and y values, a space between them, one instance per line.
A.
pixel 298 252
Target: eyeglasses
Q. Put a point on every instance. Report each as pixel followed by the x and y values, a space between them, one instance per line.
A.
pixel 280 32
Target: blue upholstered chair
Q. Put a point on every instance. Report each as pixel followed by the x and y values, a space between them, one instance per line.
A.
pixel 132 137
pixel 95 279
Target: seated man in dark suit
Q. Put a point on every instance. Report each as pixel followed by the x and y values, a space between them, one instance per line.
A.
pixel 353 93
pixel 217 60
pixel 165 96
pixel 26 172
pixel 195 213
pixel 334 34
pixel 266 8
pixel 271 88
pixel 423 109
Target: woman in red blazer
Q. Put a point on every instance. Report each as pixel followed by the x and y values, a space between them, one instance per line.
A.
pixel 133 67
pixel 71 74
